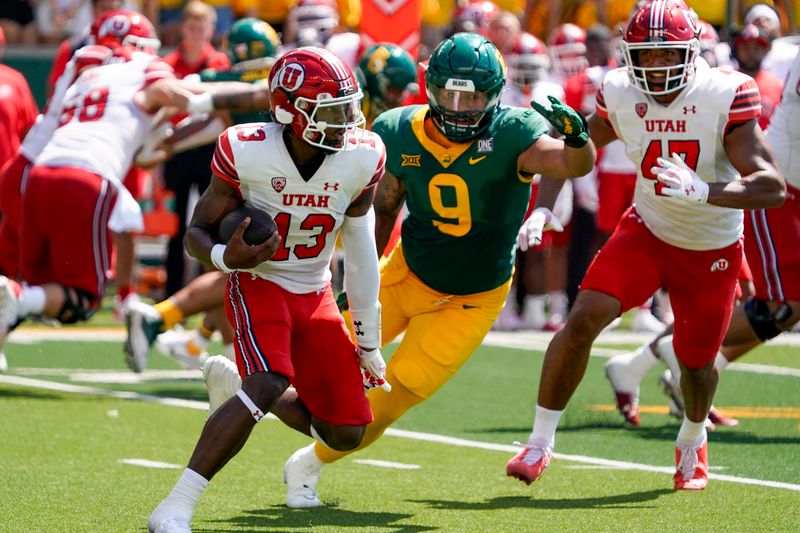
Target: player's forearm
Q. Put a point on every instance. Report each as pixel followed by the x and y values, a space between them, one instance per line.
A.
pixel 760 190
pixel 254 99
pixel 362 278
pixel 579 161
pixel 198 243
pixel 549 188
pixel 384 225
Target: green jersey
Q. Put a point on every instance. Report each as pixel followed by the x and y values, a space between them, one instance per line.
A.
pixel 245 76
pixel 465 203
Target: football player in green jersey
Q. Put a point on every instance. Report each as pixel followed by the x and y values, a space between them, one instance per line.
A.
pixel 388 76
pixel 463 164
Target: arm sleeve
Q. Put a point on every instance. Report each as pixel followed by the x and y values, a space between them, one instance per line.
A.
pixel 362 278
pixel 746 104
pixel 223 165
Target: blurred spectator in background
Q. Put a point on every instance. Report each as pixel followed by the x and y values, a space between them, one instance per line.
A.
pixel 750 47
pixel 68 46
pixel 782 53
pixel 62 19
pixel 18 110
pixel 16 21
pixel 224 17
pixel 169 21
pixel 193 167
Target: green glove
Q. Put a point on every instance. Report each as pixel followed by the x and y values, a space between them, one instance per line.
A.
pixel 341 302
pixel 566 120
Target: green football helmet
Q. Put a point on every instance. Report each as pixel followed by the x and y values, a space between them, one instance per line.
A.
pixel 465 76
pixel 387 74
pixel 251 41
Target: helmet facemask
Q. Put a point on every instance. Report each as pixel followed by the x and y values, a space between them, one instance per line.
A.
pixel 332 122
pixel 675 77
pixel 460 111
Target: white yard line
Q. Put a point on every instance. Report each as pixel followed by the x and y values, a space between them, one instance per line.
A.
pixel 405 434
pixel 386 464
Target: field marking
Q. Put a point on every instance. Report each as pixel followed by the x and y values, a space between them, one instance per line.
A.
pixel 147 463
pixel 735 412
pixel 386 464
pixel 401 433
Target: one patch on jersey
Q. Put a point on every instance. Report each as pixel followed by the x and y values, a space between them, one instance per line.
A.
pixel 486 145
pixel 278 183
pixel 641 109
pixel 411 160
pixel 290 77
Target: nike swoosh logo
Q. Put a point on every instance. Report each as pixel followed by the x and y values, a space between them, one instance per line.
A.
pixel 465 306
pixel 473 160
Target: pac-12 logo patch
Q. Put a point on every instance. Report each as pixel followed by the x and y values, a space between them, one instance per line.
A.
pixel 290 77
pixel 278 183
pixel 641 109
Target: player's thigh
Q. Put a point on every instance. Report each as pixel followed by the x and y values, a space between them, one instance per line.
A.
pixel 626 267
pixel 259 313
pixel 771 237
pixel 702 286
pixel 436 344
pixel 327 372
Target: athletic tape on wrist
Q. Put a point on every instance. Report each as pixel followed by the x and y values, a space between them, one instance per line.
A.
pixel 218 258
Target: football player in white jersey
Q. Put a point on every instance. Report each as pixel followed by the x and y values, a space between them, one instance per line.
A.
pixel 314 170
pixel 73 186
pixel 701 160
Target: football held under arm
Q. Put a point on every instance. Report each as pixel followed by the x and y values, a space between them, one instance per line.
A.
pixel 362 278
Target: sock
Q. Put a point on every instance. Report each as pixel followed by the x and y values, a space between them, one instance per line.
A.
pixel 123 291
pixel 533 314
pixel 544 425
pixel 721 362
pixel 667 352
pixel 187 491
pixel 204 331
pixel 31 300
pixel 169 312
pixel 691 433
pixel 637 364
pixel 558 304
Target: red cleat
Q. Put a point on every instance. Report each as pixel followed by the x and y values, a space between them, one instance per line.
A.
pixel 627 402
pixel 718 419
pixel 529 464
pixel 692 470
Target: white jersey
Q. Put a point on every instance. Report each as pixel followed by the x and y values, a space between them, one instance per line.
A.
pixel 46 123
pixel 783 132
pixel 101 127
pixel 253 158
pixel 694 126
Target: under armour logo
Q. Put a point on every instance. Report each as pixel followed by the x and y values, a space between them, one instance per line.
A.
pixel 357 326
pixel 334 186
pixel 687 110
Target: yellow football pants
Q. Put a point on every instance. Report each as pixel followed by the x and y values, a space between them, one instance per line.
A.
pixel 441 333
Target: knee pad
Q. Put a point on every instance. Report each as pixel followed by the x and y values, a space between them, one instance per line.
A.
pixel 764 322
pixel 79 305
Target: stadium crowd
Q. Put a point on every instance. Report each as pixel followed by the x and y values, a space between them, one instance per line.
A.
pixel 567 92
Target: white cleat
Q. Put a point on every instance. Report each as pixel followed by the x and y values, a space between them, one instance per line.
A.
pixel 222 381
pixel 301 475
pixel 3 363
pixel 9 301
pixel 143 324
pixel 167 519
pixel 182 346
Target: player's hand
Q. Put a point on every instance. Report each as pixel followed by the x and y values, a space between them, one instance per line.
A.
pixel 373 368
pixel 565 120
pixel 680 181
pixel 241 256
pixel 541 220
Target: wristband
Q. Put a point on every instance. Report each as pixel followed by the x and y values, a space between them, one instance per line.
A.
pixel 217 258
pixel 200 103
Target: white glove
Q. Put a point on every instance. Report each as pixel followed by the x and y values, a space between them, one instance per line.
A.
pixel 373 368
pixel 680 181
pixel 530 234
